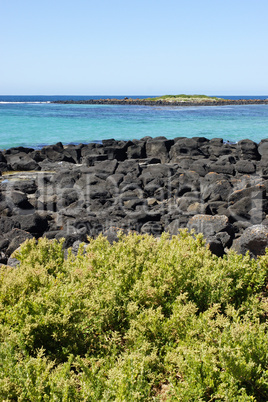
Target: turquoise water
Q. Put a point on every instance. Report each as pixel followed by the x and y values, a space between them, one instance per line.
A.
pixel 37 124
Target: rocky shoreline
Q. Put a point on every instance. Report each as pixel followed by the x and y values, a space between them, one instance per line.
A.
pixel 129 101
pixel 149 186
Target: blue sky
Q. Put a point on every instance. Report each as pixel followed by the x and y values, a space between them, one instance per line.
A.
pixel 149 47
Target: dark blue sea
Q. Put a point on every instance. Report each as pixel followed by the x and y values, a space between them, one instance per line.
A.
pixel 35 121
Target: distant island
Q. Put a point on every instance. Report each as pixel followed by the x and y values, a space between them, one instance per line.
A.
pixel 184 98
pixel 168 100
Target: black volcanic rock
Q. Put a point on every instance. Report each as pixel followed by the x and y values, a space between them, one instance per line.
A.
pixel 245 167
pixel 17 150
pixel 248 150
pixel 16 237
pixel 152 228
pixel 20 199
pixel 32 223
pixel 254 192
pixel 218 188
pixel 254 239
pixel 209 225
pixel 240 210
pixel 116 149
pixel 216 229
pixel 21 161
pixel 263 149
pixel 74 151
pixel 57 153
pixel 7 224
pixel 2 158
pixel 159 147
pixel 185 147
pixel 128 166
pixel 106 167
pixel 222 168
pixel 136 150
pixel 27 186
pixel 168 102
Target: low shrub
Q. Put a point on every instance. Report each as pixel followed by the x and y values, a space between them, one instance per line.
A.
pixel 184 97
pixel 143 319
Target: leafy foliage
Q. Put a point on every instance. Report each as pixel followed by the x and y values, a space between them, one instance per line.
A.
pixel 143 319
pixel 184 97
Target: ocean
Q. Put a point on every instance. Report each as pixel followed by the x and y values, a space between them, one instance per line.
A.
pixel 34 121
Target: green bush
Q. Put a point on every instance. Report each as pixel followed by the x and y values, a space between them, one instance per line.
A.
pixel 183 97
pixel 143 319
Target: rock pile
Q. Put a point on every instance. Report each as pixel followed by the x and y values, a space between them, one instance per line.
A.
pixel 149 186
pixel 167 102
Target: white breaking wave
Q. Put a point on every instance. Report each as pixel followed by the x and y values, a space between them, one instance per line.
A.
pixel 4 102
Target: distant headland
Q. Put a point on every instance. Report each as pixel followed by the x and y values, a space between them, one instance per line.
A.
pixel 168 100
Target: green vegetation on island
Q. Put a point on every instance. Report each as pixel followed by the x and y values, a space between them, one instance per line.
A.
pixel 184 98
pixel 143 319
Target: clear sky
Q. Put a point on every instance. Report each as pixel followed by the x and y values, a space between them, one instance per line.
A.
pixel 141 47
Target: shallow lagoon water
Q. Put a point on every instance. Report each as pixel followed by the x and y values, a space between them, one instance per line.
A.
pixel 38 124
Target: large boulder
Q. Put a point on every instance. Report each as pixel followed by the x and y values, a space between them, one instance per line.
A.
pixel 200 166
pixel 218 148
pixel 227 169
pixel 245 167
pixel 32 223
pixel 137 150
pixel 16 150
pixel 67 197
pixel 185 147
pixel 27 186
pixel 248 150
pixel 15 238
pixel 216 229
pixel 216 187
pixel 175 225
pixel 2 157
pixel 74 151
pixel 209 225
pixel 254 239
pixel 159 148
pixel 91 159
pixel 254 192
pixel 21 161
pixel 106 168
pixel 7 224
pixel 57 153
pixel 3 163
pixel 18 199
pixel 128 166
pixel 188 181
pixel 240 210
pixel 116 149
pixel 263 149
